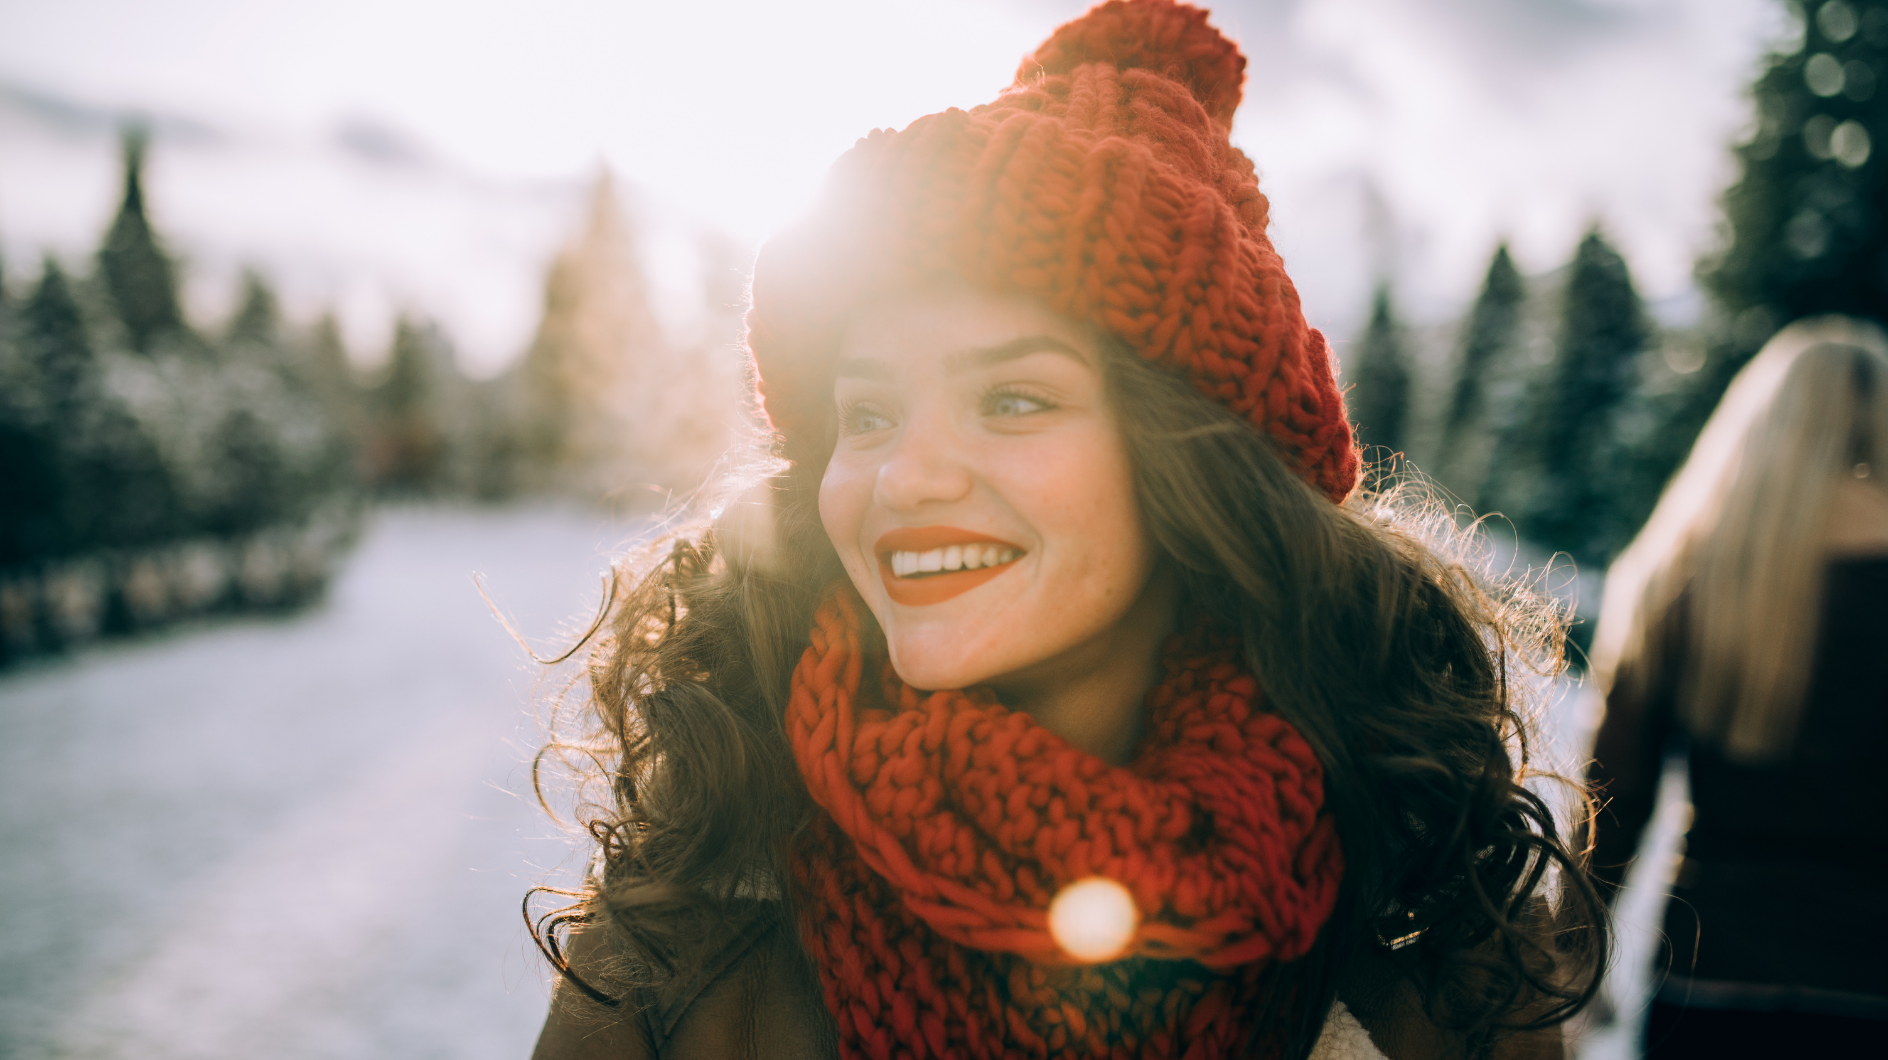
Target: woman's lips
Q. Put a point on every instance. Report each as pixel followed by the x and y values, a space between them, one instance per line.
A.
pixel 977 557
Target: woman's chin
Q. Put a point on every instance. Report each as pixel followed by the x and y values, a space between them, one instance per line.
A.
pixel 944 655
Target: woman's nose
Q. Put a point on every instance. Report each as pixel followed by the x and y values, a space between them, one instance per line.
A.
pixel 924 467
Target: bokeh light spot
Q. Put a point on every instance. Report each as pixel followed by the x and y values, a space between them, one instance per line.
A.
pixel 1093 919
pixel 1836 20
pixel 1823 74
pixel 1807 235
pixel 1849 144
pixel 1683 356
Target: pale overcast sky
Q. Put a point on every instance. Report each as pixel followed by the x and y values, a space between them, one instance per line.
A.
pixel 428 155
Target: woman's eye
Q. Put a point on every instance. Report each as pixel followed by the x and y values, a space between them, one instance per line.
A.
pixel 1012 403
pixel 857 418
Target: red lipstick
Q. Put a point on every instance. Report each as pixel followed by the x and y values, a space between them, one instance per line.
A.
pixel 934 588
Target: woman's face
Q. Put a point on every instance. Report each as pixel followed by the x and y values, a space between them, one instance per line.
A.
pixel 980 493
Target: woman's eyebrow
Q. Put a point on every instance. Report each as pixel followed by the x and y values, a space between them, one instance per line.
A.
pixel 990 356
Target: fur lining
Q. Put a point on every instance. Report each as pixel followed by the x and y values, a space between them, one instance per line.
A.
pixel 1344 1038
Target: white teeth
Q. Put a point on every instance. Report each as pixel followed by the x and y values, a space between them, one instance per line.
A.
pixel 954 557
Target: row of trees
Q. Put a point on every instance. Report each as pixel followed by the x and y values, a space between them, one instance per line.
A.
pixel 151 470
pixel 1558 402
pixel 154 470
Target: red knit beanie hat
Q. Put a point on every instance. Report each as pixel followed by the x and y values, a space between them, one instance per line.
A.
pixel 1103 184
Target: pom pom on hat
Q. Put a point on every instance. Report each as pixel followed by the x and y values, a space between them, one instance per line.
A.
pixel 1103 184
pixel 1172 40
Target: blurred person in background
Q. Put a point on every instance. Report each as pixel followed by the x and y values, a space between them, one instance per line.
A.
pixel 1746 629
pixel 1229 774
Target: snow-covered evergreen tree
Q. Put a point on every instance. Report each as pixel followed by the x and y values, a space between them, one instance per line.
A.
pixel 1487 385
pixel 1567 504
pixel 1380 399
pixel 321 367
pixel 112 487
pixel 1807 220
pixel 603 401
pixel 406 448
pixel 29 519
pixel 258 319
pixel 138 273
pixel 270 373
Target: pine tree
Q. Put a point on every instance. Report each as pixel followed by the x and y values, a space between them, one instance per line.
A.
pixel 325 370
pixel 256 490
pixel 1380 401
pixel 258 319
pixel 29 500
pixel 1490 342
pixel 302 453
pixel 255 484
pixel 55 345
pixel 28 497
pixel 138 273
pixel 320 373
pixel 1603 328
pixel 406 451
pixel 588 368
pixel 112 488
pixel 1808 219
pixel 326 359
pixel 602 398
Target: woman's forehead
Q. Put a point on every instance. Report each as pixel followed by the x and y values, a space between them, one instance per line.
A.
pixel 966 359
pixel 956 330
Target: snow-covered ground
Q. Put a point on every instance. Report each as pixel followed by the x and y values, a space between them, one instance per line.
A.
pixel 308 837
pixel 295 838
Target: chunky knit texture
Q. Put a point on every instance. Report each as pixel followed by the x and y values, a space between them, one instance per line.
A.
pixel 1101 183
pixel 950 823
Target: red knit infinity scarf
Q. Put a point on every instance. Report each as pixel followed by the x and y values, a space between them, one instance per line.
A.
pixel 951 822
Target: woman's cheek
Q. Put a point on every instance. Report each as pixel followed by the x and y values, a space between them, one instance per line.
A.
pixel 1084 491
pixel 844 494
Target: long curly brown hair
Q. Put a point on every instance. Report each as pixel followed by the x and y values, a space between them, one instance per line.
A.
pixel 1373 626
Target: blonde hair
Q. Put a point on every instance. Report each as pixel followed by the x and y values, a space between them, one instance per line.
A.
pixel 1740 531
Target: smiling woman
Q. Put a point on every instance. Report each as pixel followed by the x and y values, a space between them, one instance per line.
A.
pixel 979 424
pixel 1073 706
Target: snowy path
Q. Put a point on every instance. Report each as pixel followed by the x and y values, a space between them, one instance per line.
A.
pixel 294 838
pixel 299 838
